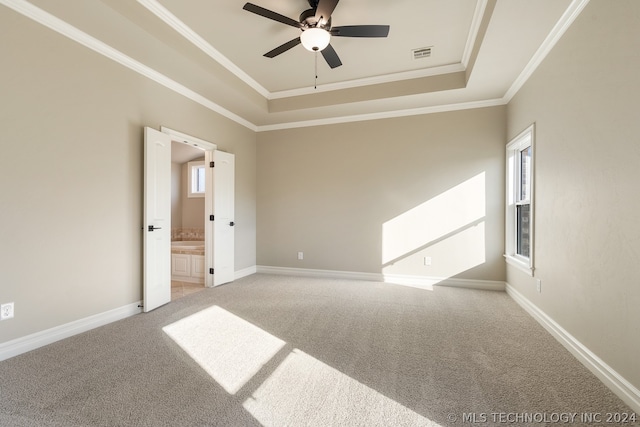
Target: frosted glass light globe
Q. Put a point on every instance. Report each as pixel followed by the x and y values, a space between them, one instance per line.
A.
pixel 315 39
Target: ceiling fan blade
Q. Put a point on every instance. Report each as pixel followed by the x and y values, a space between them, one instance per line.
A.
pixel 271 15
pixel 331 56
pixel 361 31
pixel 325 9
pixel 283 48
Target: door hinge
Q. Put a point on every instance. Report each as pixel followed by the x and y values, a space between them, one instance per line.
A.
pixel 211 271
pixel 212 164
pixel 210 217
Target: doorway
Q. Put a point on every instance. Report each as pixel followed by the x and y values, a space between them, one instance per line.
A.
pixel 218 239
pixel 203 150
pixel 187 219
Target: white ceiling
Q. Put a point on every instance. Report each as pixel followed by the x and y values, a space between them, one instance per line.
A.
pixel 244 37
pixel 183 153
pixel 211 51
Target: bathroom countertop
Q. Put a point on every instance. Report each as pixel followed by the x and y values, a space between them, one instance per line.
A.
pixel 195 251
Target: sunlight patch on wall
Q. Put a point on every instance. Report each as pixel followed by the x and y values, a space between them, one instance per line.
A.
pixel 434 219
pixel 306 391
pixel 228 348
pixel 459 252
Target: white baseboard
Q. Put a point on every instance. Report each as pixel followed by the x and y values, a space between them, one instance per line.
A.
pixel 328 274
pixel 422 282
pixel 39 339
pixel 613 380
pixel 239 274
pixel 426 282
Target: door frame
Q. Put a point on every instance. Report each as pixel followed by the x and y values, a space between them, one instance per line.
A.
pixel 208 149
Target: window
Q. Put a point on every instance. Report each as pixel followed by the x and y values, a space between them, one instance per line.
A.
pixel 196 179
pixel 519 199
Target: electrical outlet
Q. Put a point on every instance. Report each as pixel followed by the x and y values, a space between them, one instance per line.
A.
pixel 539 285
pixel 427 261
pixel 6 311
pixel 300 255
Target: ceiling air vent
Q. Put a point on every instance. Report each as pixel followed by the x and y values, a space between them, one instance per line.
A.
pixel 423 52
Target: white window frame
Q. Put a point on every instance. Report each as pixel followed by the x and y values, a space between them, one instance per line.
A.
pixel 192 168
pixel 513 176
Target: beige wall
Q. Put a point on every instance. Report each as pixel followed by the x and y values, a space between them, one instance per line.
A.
pixel 186 212
pixel 176 195
pixel 71 176
pixel 192 207
pixel 332 191
pixel 584 101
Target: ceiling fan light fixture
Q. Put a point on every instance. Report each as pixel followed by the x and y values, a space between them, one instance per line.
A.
pixel 315 39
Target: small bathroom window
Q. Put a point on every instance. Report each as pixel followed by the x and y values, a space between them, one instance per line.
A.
pixel 196 179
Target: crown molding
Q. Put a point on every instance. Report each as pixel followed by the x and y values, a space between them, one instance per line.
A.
pixel 369 81
pixel 384 115
pixel 58 25
pixel 478 14
pixel 185 31
pixel 563 24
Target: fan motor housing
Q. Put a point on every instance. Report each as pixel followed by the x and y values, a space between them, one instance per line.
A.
pixel 308 19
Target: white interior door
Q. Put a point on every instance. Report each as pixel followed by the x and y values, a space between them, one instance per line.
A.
pixel 223 224
pixel 157 219
pixel 208 220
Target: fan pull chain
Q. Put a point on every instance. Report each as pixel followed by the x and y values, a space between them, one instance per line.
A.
pixel 315 83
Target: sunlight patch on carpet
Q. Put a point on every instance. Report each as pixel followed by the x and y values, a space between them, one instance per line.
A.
pixel 228 348
pixel 306 391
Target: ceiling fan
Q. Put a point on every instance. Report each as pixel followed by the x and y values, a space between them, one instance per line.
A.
pixel 315 24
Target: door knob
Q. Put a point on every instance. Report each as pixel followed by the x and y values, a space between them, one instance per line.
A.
pixel 151 228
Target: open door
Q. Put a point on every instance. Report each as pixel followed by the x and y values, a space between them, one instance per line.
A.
pixel 223 209
pixel 208 220
pixel 157 219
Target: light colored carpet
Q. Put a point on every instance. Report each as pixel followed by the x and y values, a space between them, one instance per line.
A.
pixel 286 351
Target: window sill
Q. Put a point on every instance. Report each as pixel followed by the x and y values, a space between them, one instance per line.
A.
pixel 519 264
